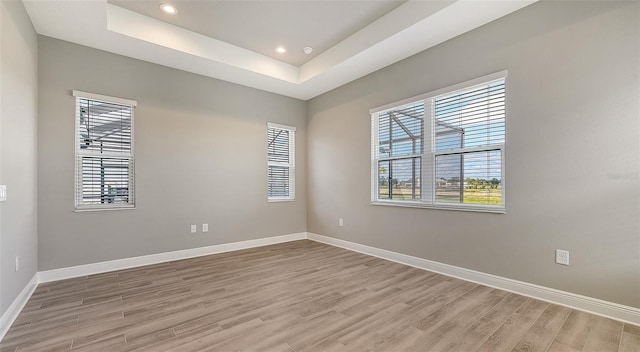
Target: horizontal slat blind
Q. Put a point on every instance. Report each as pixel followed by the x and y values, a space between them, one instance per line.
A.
pixel 104 127
pixel 280 162
pixel 278 145
pixel 470 118
pixel 443 149
pixel 469 136
pixel 104 154
pixel 105 180
pixel 278 185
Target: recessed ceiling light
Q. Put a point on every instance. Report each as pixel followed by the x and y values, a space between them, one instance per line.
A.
pixel 307 50
pixel 168 9
pixel 281 50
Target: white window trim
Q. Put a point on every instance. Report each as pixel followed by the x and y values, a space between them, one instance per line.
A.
pixel 79 208
pixel 93 96
pixel 429 157
pixel 291 164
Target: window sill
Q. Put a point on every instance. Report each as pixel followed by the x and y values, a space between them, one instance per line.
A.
pixel 457 207
pixel 94 209
pixel 278 200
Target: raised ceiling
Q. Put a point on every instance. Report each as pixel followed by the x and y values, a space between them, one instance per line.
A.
pixel 261 26
pixel 235 40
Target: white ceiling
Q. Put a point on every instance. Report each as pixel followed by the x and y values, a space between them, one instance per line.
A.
pixel 261 26
pixel 235 40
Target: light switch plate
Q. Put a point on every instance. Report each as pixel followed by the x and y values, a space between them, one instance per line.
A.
pixel 3 193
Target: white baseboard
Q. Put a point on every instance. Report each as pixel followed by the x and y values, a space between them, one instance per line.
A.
pixel 591 305
pixel 126 263
pixel 579 302
pixel 10 315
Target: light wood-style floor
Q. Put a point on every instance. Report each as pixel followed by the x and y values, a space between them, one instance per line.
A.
pixel 299 296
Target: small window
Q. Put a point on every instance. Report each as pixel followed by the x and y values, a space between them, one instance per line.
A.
pixel 281 170
pixel 444 149
pixel 104 171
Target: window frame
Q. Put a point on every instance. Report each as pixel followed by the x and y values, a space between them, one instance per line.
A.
pixel 291 165
pixel 429 152
pixel 79 154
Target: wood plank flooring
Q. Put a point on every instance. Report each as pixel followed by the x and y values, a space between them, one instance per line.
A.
pixel 294 297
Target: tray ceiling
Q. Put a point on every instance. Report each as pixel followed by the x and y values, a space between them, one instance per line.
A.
pixel 235 40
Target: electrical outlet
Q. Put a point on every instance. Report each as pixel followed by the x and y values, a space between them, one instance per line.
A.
pixel 562 257
pixel 205 227
pixel 17 263
pixel 341 222
pixel 194 229
pixel 3 193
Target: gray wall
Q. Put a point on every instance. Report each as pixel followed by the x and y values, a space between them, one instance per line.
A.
pixel 200 158
pixel 573 178
pixel 18 108
pixel 572 161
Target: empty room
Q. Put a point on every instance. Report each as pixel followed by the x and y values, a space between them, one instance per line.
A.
pixel 320 175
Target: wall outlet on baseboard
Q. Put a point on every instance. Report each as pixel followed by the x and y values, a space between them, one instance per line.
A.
pixel 205 227
pixel 194 228
pixel 341 222
pixel 17 263
pixel 562 257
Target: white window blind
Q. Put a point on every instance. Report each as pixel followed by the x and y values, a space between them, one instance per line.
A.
pixel 104 176
pixel 443 149
pixel 280 162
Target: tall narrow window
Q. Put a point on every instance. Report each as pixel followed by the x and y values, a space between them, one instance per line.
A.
pixel 442 149
pixel 104 176
pixel 281 161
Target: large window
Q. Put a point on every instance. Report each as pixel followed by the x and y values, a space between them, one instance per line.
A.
pixel 281 162
pixel 104 176
pixel 443 149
